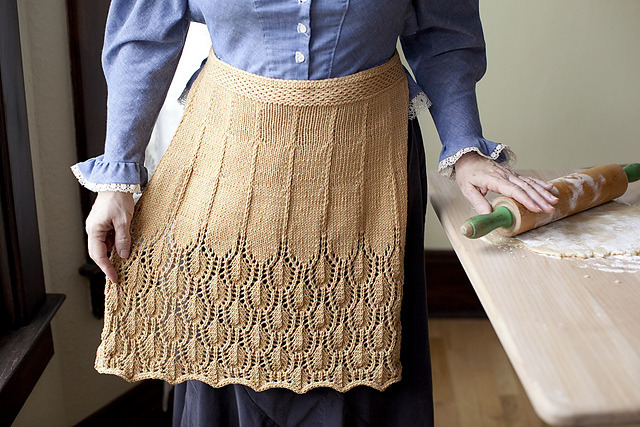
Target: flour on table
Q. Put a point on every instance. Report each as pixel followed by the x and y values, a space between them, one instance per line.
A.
pixel 606 237
pixel 613 263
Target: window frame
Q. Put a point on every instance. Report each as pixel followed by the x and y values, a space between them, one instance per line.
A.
pixel 26 341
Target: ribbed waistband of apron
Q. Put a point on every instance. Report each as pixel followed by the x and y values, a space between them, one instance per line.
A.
pixel 332 91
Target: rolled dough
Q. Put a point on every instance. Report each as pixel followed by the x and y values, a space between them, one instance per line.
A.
pixel 607 236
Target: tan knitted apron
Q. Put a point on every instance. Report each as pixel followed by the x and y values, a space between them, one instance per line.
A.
pixel 268 246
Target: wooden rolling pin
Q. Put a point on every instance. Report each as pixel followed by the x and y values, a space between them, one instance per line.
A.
pixel 576 193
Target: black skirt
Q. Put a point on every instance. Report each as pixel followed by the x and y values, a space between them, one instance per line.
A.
pixel 406 403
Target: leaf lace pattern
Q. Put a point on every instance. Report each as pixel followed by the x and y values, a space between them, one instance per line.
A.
pixel 229 318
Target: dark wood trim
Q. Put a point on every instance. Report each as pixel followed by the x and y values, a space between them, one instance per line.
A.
pixel 87 22
pixel 26 342
pixel 449 292
pixel 25 289
pixel 86 34
pixel 24 354
pixel 8 315
pixel 79 116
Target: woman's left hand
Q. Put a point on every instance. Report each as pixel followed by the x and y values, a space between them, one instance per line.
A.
pixel 476 175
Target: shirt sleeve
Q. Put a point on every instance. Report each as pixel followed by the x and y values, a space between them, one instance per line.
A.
pixel 444 45
pixel 142 46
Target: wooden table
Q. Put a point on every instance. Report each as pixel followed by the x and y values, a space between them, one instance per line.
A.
pixel 572 333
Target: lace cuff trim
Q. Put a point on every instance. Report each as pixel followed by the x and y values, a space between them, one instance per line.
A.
pixel 124 188
pixel 446 166
pixel 418 103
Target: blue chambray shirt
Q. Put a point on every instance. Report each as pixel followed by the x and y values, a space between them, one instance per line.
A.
pixel 290 39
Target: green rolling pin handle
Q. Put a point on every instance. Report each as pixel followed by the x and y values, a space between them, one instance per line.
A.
pixel 633 171
pixel 480 225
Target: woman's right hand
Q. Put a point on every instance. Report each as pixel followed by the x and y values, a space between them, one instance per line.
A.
pixel 107 227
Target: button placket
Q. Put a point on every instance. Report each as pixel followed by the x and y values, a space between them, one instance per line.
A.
pixel 301 56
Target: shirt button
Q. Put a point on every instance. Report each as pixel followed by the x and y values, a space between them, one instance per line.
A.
pixel 302 28
pixel 299 57
pixel 302 1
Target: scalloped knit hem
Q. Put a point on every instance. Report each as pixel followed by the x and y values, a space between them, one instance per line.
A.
pixel 243 381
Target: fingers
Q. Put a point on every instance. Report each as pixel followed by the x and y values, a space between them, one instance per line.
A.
pixel 541 187
pixel 544 184
pixel 476 175
pixel 107 229
pixel 123 239
pixel 98 252
pixel 517 193
pixel 534 195
pixel 518 190
pixel 477 200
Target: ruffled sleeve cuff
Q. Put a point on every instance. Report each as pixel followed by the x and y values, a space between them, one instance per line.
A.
pixel 96 174
pixel 490 150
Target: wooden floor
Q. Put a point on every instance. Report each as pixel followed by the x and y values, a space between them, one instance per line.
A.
pixel 473 381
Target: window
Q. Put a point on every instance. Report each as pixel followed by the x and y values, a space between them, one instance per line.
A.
pixel 26 344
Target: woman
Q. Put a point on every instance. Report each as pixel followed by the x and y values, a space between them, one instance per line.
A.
pixel 276 253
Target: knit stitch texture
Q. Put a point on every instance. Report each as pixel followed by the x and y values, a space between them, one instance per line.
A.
pixel 268 247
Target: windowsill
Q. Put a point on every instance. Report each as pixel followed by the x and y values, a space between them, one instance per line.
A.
pixel 24 354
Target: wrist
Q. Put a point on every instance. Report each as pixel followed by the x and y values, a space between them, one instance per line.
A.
pixel 466 158
pixel 121 194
